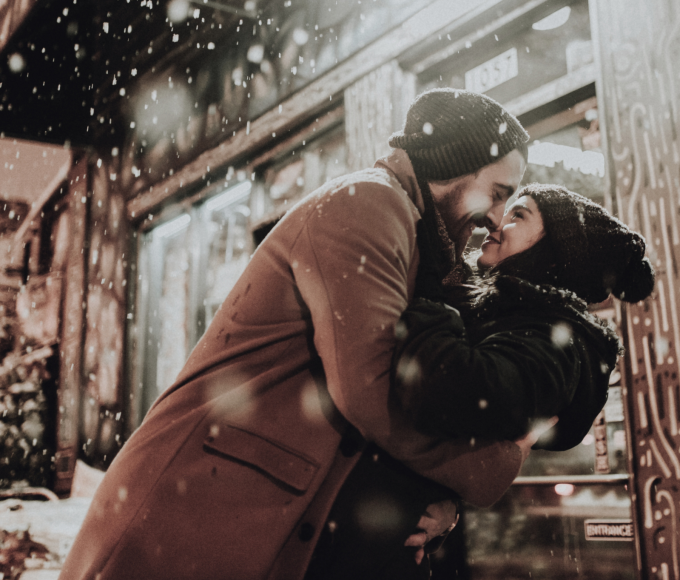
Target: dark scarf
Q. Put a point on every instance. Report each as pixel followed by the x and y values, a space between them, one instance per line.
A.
pixel 500 296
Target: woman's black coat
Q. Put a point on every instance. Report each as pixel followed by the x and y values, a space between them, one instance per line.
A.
pixel 524 353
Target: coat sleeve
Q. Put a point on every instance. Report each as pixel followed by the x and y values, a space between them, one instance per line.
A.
pixel 352 263
pixel 494 388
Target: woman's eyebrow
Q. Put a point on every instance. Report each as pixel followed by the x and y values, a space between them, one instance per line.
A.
pixel 521 206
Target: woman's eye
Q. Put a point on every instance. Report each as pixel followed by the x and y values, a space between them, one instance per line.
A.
pixel 517 214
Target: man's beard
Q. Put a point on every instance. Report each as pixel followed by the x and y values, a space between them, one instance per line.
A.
pixel 457 271
pixel 449 251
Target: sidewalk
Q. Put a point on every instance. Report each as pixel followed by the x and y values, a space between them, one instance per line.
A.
pixel 53 524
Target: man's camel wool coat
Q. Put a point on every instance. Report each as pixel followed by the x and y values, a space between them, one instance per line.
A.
pixel 234 470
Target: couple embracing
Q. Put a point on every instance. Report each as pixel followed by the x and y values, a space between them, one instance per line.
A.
pixel 363 375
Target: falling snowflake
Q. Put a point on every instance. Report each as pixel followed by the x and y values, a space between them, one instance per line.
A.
pixel 561 334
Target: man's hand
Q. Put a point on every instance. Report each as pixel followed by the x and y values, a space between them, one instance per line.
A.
pixel 526 442
pixel 442 516
pixel 438 518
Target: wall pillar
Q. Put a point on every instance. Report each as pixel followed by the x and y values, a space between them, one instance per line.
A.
pixel 375 107
pixel 639 46
pixel 72 325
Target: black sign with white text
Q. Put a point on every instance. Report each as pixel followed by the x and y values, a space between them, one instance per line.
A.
pixel 611 530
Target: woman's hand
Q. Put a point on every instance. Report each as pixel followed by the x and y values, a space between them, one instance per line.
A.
pixel 439 518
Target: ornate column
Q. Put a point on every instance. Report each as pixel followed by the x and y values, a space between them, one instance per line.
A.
pixel 639 43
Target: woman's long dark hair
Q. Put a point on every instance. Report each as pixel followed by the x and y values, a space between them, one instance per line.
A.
pixel 537 265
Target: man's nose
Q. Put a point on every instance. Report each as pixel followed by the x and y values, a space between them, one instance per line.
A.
pixel 492 219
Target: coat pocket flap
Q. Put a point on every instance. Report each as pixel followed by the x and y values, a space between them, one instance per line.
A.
pixel 283 464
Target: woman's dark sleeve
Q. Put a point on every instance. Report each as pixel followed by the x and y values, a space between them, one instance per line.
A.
pixel 494 388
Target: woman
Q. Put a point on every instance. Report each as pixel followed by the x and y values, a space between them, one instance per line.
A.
pixel 522 349
pixel 524 346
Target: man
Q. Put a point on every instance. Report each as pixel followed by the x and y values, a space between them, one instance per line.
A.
pixel 236 467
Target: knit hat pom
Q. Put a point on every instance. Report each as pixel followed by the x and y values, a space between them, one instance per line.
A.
pixel 637 282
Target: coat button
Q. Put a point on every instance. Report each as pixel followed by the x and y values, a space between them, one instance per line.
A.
pixel 306 532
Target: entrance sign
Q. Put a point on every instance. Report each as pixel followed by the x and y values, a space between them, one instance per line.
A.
pixel 493 72
pixel 609 530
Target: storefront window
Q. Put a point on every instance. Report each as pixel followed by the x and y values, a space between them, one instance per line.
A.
pixel 303 171
pixel 229 245
pixel 172 304
pixel 583 459
pixel 162 287
pixel 569 155
pixel 189 263
pixel 552 531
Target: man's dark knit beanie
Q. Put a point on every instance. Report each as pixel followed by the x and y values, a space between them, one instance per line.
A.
pixel 596 254
pixel 450 133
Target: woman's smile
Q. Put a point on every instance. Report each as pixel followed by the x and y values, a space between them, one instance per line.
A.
pixel 490 239
pixel 520 228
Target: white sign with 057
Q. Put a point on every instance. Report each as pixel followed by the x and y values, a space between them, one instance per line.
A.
pixel 493 72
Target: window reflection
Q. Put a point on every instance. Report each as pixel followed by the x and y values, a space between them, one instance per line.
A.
pixel 172 304
pixel 581 459
pixel 229 247
pixel 534 532
pixel 570 156
pixel 303 171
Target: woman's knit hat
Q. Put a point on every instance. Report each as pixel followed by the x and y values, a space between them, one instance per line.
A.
pixel 596 254
pixel 450 133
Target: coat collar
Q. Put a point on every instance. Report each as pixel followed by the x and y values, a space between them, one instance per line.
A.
pixel 399 165
pixel 508 295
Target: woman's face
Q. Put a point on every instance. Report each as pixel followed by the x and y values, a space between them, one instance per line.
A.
pixel 521 227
